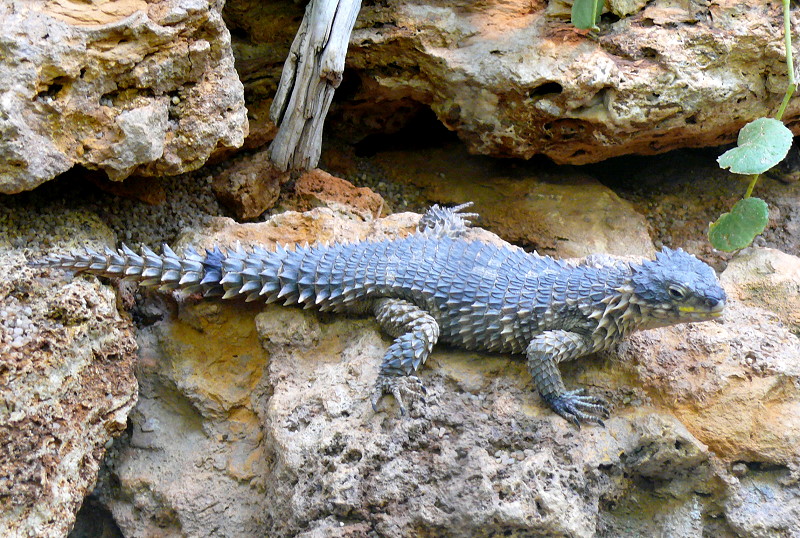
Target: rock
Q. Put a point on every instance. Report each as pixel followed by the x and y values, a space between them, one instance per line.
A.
pixel 760 508
pixel 317 187
pixel 124 87
pixel 734 383
pixel 250 185
pixel 515 79
pixel 556 212
pixel 66 386
pixel 769 279
pixel 206 443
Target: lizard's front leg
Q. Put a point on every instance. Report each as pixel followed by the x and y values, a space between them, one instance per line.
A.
pixel 544 353
pixel 415 332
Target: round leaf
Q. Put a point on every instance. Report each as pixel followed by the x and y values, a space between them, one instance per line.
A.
pixel 762 144
pixel 737 229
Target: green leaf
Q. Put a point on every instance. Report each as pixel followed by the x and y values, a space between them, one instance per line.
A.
pixel 762 144
pixel 737 229
pixel 586 13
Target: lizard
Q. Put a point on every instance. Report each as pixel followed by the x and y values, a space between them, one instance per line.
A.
pixel 434 286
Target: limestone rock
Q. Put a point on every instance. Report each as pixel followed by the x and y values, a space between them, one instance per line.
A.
pixel 125 87
pixel 769 279
pixel 66 388
pixel 515 79
pixel 760 507
pixel 250 185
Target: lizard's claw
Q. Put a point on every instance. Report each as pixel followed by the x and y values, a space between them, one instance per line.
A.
pixel 466 217
pixel 408 387
pixel 578 407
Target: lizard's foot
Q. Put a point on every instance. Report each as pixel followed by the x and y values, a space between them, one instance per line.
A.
pixel 446 221
pixel 408 387
pixel 465 217
pixel 578 407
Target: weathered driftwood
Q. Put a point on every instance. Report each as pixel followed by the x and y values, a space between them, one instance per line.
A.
pixel 311 74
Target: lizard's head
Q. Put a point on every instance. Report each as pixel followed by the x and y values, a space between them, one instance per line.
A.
pixel 676 288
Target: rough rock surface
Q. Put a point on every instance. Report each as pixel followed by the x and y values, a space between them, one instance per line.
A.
pixel 250 185
pixel 769 279
pixel 256 420
pixel 555 212
pixel 66 384
pixel 126 87
pixel 317 187
pixel 514 78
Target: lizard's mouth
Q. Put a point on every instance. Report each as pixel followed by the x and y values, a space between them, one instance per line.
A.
pixel 710 311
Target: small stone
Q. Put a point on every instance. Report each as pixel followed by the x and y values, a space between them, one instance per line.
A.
pixel 250 186
pixel 150 425
pixel 739 469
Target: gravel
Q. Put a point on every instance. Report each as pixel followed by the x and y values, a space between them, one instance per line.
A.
pixel 32 219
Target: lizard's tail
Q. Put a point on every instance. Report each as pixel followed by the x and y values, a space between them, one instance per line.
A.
pixel 167 271
pixel 256 274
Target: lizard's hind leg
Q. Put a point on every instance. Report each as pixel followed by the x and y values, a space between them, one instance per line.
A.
pixel 415 332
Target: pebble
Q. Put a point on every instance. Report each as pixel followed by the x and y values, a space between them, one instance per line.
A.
pixel 739 469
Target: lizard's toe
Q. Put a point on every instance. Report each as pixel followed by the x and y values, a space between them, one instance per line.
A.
pixel 465 216
pixel 408 388
pixel 578 407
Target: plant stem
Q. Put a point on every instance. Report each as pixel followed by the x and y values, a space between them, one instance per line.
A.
pixel 787 41
pixel 751 186
pixel 790 88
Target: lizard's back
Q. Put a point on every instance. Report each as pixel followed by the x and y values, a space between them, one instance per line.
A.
pixel 474 290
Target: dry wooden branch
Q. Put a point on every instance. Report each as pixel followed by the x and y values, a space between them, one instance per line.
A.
pixel 311 74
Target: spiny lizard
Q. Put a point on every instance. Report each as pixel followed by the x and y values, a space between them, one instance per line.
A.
pixel 435 286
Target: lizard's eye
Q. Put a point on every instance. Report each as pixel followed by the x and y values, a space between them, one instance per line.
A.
pixel 676 293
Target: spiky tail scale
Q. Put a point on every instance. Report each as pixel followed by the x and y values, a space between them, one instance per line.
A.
pixel 262 274
pixel 304 275
pixel 167 271
pixel 322 276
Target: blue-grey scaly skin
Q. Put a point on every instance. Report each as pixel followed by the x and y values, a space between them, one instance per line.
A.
pixel 434 286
